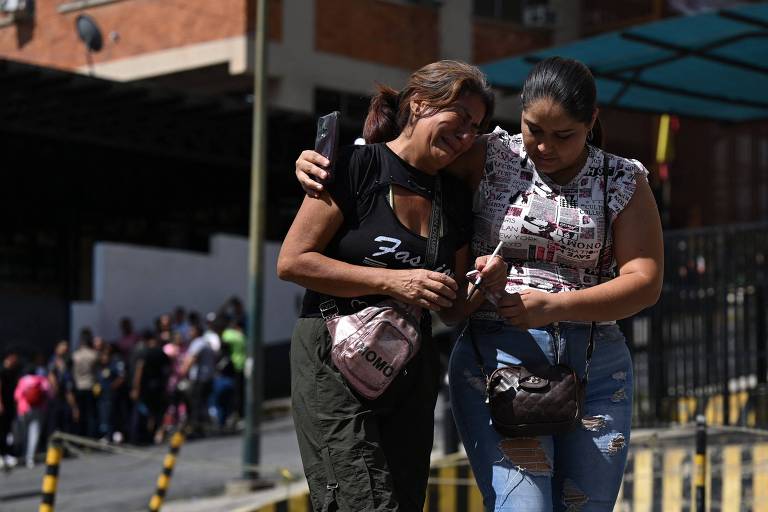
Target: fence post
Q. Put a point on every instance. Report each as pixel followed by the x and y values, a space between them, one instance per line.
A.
pixel 51 477
pixel 165 476
pixel 700 462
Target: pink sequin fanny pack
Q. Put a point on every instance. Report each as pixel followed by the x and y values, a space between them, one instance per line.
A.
pixel 371 347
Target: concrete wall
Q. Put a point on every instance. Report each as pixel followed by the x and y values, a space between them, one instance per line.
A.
pixel 142 283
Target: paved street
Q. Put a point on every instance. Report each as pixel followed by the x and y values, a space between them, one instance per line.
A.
pixel 125 482
pixel 122 482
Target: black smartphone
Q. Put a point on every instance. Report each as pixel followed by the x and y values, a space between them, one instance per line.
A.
pixel 327 139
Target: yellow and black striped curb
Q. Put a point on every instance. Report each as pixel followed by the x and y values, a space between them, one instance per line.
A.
pixel 164 480
pixel 735 478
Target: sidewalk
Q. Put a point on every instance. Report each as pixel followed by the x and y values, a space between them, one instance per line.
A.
pixel 661 441
pixel 248 502
pixel 251 501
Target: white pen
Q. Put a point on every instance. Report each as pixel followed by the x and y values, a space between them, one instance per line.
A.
pixel 476 284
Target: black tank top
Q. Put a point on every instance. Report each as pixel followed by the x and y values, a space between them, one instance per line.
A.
pixel 371 234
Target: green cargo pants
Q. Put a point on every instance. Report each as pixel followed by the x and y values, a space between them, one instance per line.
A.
pixel 362 455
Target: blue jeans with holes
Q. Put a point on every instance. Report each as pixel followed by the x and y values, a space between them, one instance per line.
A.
pixel 579 470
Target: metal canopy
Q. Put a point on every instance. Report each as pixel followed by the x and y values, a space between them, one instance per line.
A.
pixel 712 65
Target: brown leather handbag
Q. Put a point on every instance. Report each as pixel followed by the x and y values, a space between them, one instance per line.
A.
pixel 544 400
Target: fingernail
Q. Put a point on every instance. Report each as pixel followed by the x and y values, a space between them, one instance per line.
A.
pixel 323 175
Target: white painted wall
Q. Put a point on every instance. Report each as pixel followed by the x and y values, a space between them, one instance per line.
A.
pixel 143 282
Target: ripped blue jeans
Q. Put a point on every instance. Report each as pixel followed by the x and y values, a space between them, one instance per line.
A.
pixel 577 471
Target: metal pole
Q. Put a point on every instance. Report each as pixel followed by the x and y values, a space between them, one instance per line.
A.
pixel 254 374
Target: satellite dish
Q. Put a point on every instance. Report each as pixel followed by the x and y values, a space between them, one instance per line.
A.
pixel 89 33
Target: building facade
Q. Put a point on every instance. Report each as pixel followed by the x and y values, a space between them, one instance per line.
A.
pixel 162 158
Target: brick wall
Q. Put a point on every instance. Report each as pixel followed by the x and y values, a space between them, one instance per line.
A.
pixel 394 34
pixel 495 40
pixel 142 26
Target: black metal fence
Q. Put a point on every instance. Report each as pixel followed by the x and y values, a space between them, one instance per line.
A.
pixel 703 347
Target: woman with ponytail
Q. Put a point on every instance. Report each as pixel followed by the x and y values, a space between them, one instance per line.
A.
pixel 541 193
pixel 363 240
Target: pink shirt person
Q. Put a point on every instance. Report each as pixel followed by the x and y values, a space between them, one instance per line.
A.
pixel 31 392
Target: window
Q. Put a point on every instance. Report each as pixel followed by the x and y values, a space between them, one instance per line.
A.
pixel 426 3
pixel 502 10
pixel 526 12
pixel 12 11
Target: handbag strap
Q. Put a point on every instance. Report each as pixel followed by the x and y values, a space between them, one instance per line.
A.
pixel 435 223
pixel 475 349
pixel 330 308
pixel 591 343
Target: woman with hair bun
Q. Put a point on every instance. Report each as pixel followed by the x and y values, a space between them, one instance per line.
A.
pixel 541 193
pixel 362 240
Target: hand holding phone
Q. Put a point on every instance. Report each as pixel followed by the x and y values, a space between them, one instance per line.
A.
pixel 327 140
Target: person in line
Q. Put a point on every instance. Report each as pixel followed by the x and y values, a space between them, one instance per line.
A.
pixel 63 413
pixel 234 338
pixel 198 367
pixel 84 360
pixel 551 221
pixel 110 377
pixel 361 241
pixel 10 372
pixel 32 394
pixel 148 392
pixel 176 390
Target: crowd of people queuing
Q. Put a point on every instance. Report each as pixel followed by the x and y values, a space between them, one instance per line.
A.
pixel 187 370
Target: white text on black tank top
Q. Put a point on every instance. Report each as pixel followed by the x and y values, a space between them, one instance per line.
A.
pixel 404 256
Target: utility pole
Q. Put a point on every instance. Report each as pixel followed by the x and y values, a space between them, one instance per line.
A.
pixel 254 367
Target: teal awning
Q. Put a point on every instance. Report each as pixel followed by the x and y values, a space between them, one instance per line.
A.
pixel 712 65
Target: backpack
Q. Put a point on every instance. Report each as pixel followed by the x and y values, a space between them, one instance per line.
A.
pixel 34 393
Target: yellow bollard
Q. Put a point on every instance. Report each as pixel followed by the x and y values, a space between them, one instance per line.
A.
pixel 51 477
pixel 164 480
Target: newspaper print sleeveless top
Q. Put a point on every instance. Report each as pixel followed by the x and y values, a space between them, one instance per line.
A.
pixel 552 233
